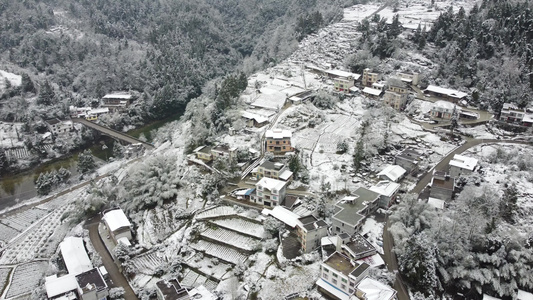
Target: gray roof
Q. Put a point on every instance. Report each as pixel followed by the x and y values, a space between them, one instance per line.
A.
pixel 271 165
pixel 360 269
pixel 350 212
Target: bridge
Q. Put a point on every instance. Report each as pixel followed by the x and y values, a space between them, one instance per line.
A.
pixel 113 133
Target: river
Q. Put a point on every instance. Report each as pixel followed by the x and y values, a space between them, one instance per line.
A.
pixel 17 188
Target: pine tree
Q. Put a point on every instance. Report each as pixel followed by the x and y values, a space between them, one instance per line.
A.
pixel 46 94
pixel 86 162
pixel 418 263
pixel 294 165
pixel 508 204
pixel 27 84
pixel 44 184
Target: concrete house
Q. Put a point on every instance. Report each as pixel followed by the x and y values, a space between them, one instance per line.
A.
pixel 408 159
pixel 352 210
pixel 442 186
pixel 171 290
pixel 370 289
pixel 369 77
pixel 393 173
pixel 203 153
pixel 387 191
pixel 117 101
pixel 310 231
pixel 223 152
pixel 118 225
pixel 269 192
pixel 396 94
pixel 453 96
pixel 254 120
pixel 273 170
pixel 339 276
pixel 356 247
pixel 410 78
pixel 510 113
pixel 91 285
pixel 442 110
pixel 462 165
pixel 278 141
pixel 58 127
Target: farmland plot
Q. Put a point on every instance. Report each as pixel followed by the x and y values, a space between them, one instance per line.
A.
pixel 231 238
pixel 4 274
pixel 29 245
pixel 242 225
pixel 26 278
pixel 195 279
pixel 148 263
pixel 218 211
pixel 24 219
pixel 222 252
pixel 7 233
pixel 213 267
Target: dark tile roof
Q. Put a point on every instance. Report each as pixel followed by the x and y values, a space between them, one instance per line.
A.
pixel 171 289
pixel 91 277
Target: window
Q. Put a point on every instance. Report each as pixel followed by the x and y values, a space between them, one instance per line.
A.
pixel 326 270
pixel 344 280
pixel 325 276
pixel 335 275
pixel 343 286
pixel 334 281
pixel 351 291
pixel 277 142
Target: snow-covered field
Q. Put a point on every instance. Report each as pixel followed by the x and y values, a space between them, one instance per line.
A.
pixel 26 278
pixel 241 225
pixel 222 252
pixel 9 135
pixel 14 79
pixel 216 212
pixel 231 238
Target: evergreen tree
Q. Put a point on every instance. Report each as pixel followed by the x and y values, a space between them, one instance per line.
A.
pixel 46 94
pixel 118 150
pixel 395 28
pixel 508 204
pixel 86 162
pixel 4 162
pixel 294 165
pixel 44 184
pixel 27 84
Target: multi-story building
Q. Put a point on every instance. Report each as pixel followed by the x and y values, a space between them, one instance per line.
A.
pixel 117 101
pixel 388 191
pixel 442 186
pixel 396 95
pixel 278 141
pixel 273 170
pixel 92 286
pixel 409 77
pixel 462 165
pixel 511 113
pixel 269 192
pixel 408 159
pixel 204 153
pixel 58 127
pixel 352 210
pixel 442 110
pixel 369 77
pixel 310 230
pixel 339 275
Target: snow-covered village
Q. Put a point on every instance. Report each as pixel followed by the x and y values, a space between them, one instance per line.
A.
pixel 254 149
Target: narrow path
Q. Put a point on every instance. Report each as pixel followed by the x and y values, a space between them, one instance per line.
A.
pixel 116 276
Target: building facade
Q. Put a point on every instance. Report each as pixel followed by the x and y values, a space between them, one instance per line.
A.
pixel 278 141
pixel 369 77
pixel 269 192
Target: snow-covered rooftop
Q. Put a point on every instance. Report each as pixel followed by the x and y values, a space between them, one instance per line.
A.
pixel 437 203
pixel 116 219
pixel 463 162
pixel 252 116
pixel 285 175
pixel 444 105
pixel 393 172
pixel 278 134
pixel 56 286
pixel 343 74
pixel 119 95
pixel 523 295
pixel 375 290
pixel 386 188
pixel 271 184
pixel 487 297
pixel 371 91
pixel 284 215
pixel 74 255
pixel 445 91
pixel 98 111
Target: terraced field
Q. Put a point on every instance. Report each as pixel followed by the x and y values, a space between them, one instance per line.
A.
pixel 26 278
pixel 147 263
pixel 231 238
pixel 221 252
pixel 215 212
pixel 242 225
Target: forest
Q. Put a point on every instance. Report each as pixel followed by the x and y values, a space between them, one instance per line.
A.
pixel 166 50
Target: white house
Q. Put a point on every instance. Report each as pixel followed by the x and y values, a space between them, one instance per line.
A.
pixel 74 255
pixel 118 224
pixel 387 190
pixel 442 110
pixel 58 127
pixel 462 165
pixel 339 275
pixel 269 192
pixel 370 289
pixel 392 172
pixel 444 93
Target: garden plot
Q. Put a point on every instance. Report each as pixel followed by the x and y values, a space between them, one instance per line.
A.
pixel 213 267
pixel 7 233
pixel 242 225
pixel 62 200
pixel 30 245
pixel 24 219
pixel 148 263
pixel 231 238
pixel 195 280
pixel 4 276
pixel 215 212
pixel 26 278
pixel 222 252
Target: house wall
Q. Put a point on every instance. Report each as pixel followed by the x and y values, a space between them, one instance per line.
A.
pixel 395 100
pixel 338 227
pixel 310 240
pixel 342 85
pixel 273 199
pixel 204 156
pixel 335 278
pixel 279 146
pixel 121 232
pixel 385 201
